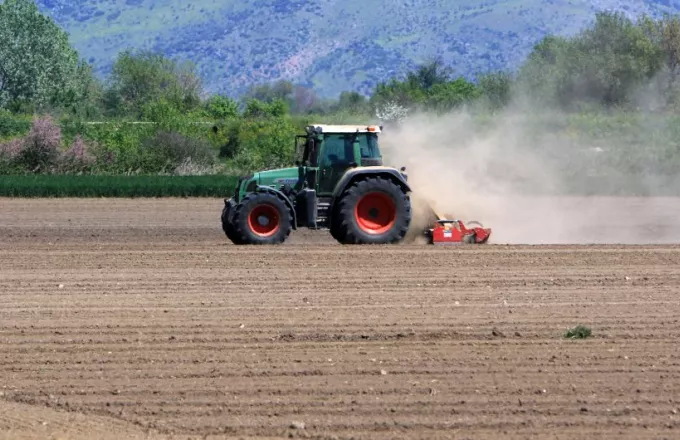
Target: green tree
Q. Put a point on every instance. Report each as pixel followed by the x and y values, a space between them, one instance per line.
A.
pixel 413 90
pixel 258 109
pixel 429 87
pixel 38 66
pixel 138 79
pixel 352 102
pixel 263 143
pixel 430 74
pixel 665 34
pixel 545 74
pixel 618 57
pixel 221 107
pixel 496 89
pixel 603 64
pixel 279 90
pixel 446 96
pixel 401 93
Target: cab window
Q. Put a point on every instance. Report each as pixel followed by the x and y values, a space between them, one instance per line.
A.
pixel 369 146
pixel 338 149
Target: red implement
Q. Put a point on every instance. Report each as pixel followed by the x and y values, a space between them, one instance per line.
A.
pixel 455 232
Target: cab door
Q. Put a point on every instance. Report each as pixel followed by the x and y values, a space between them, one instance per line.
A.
pixel 337 156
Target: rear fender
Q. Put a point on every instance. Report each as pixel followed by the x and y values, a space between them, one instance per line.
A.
pixel 356 173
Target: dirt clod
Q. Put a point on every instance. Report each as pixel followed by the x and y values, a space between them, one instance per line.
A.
pixel 297 425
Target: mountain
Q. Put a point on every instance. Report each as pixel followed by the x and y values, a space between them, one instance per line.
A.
pixel 331 45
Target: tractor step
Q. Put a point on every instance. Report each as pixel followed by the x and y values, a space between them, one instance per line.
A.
pixel 323 207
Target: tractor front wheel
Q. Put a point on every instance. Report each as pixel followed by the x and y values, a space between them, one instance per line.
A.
pixel 227 225
pixel 372 211
pixel 262 218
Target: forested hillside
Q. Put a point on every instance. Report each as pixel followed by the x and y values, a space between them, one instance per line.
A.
pixel 330 45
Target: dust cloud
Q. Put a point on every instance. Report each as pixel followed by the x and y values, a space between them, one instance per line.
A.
pixel 524 178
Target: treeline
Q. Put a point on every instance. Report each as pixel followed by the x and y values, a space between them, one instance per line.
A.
pixel 152 115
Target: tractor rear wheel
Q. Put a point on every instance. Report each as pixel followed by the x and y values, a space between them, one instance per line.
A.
pixel 262 218
pixel 372 211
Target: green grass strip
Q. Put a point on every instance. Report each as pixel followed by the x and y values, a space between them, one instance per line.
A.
pixel 116 186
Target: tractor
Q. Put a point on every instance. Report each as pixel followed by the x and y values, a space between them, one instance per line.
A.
pixel 338 184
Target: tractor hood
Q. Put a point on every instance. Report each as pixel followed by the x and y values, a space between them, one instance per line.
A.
pixel 277 178
pixel 272 178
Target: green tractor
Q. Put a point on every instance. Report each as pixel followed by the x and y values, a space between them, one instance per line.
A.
pixel 338 183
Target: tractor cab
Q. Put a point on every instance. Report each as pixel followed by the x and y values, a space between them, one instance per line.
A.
pixel 326 152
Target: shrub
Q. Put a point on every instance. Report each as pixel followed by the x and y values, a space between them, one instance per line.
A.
pixel 225 136
pixel 167 150
pixel 40 148
pixel 115 145
pixel 163 113
pixel 9 153
pixel 578 332
pixel 11 125
pixel 263 144
pixel 10 150
pixel 259 109
pixel 77 159
pixel 189 168
pixel 221 107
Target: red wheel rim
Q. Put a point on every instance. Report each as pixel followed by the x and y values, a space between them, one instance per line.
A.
pixel 264 220
pixel 375 213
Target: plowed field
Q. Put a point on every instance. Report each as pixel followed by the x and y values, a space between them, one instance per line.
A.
pixel 136 319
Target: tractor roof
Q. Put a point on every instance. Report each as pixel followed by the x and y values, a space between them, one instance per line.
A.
pixel 325 128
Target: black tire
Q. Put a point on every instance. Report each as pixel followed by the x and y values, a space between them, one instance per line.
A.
pixel 372 211
pixel 227 226
pixel 337 231
pixel 270 207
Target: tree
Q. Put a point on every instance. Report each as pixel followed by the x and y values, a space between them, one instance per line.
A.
pixel 257 109
pixel 429 75
pixel 303 100
pixel 665 34
pixel 496 88
pixel 279 90
pixel 138 79
pixel 545 74
pixel 38 66
pixel 618 57
pixel 446 96
pixel 603 64
pixel 298 99
pixel 401 93
pixel 352 102
pixel 429 87
pixel 391 112
pixel 221 107
pixel 415 88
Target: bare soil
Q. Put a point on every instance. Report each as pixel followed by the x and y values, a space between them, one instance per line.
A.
pixel 137 319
